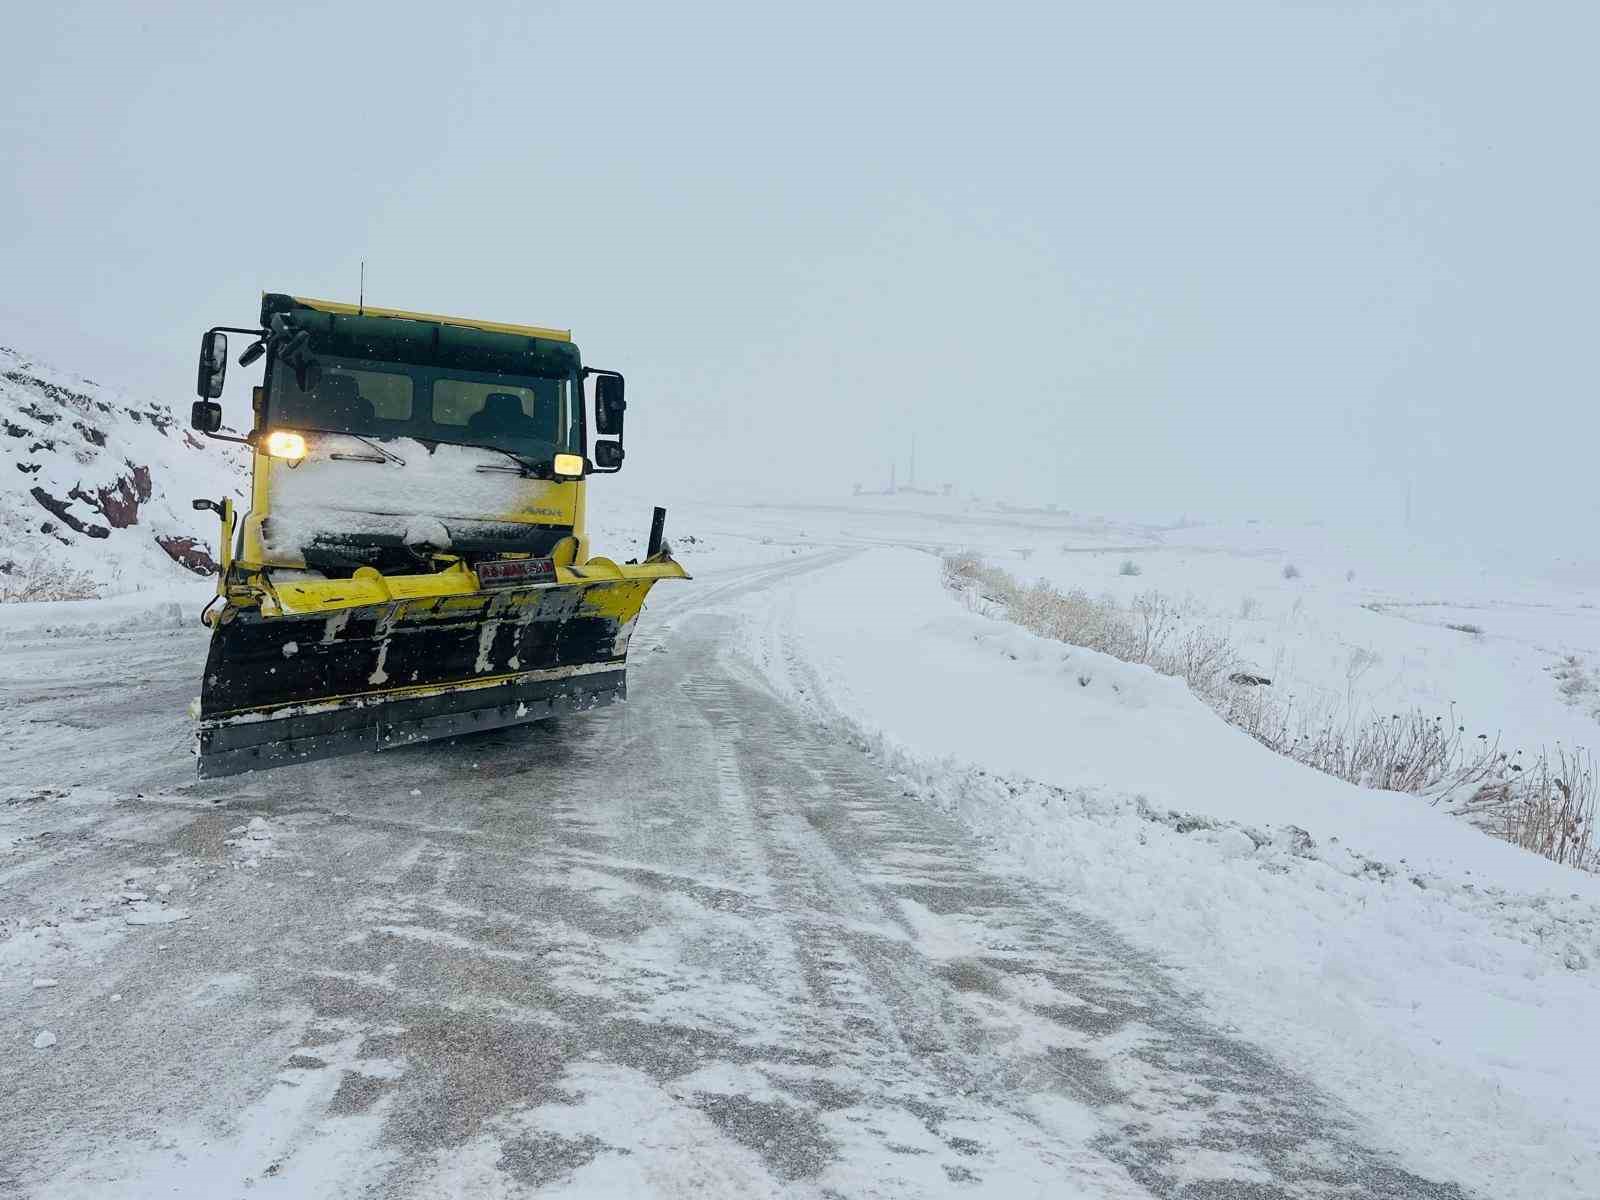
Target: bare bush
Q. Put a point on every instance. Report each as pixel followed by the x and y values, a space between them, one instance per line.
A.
pixel 1205 660
pixel 1555 810
pixel 960 566
pixel 1400 752
pixel 1129 567
pixel 1290 571
pixel 1154 621
pixel 1073 617
pixel 42 579
pixel 1548 807
pixel 1247 607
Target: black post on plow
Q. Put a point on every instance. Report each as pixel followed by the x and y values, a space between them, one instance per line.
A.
pixel 658 529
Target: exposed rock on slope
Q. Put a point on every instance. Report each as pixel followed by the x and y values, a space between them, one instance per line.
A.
pixel 95 488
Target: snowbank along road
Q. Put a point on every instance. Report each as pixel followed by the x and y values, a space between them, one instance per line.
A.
pixel 692 946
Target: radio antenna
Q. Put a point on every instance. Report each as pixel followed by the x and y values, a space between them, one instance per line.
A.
pixel 361 296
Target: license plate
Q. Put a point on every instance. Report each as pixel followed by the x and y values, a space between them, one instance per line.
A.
pixel 508 571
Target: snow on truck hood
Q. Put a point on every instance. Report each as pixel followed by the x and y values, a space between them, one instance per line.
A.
pixel 443 482
pixel 324 495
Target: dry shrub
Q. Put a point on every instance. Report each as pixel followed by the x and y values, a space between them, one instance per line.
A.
pixel 42 579
pixel 1072 617
pixel 1548 807
pixel 1401 752
pixel 1204 659
pixel 1555 809
pixel 969 574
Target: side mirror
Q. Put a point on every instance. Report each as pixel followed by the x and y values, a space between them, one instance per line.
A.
pixel 608 456
pixel 608 404
pixel 206 416
pixel 213 365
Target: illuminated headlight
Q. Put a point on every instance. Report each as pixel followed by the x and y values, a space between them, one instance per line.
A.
pixel 283 444
pixel 568 466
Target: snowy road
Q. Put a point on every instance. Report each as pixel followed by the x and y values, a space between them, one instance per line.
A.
pixel 694 946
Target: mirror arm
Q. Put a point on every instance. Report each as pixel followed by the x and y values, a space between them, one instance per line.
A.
pixel 224 437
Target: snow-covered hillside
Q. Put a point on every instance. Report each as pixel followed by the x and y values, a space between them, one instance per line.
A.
pixel 95 488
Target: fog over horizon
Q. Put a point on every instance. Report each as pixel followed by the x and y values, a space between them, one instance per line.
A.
pixel 1243 260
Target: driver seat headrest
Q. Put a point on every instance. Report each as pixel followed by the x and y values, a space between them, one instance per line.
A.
pixel 503 406
pixel 342 395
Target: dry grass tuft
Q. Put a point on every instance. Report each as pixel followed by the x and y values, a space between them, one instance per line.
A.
pixel 41 579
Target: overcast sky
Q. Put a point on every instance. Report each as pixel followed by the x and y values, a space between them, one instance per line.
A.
pixel 1223 259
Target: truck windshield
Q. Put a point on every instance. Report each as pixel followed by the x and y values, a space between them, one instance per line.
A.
pixel 530 415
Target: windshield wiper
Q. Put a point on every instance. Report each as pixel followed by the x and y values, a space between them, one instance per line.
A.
pixel 387 454
pixel 525 467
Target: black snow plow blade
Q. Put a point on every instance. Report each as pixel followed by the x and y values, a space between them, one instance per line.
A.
pixel 287 689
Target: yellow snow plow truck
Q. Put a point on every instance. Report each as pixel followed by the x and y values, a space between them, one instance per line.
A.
pixel 413 564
